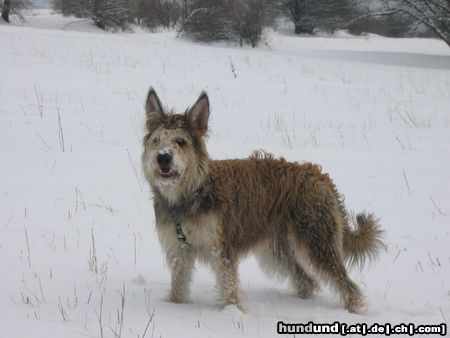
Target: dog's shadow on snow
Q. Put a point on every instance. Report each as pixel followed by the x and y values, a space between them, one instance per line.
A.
pixel 283 301
pixel 259 302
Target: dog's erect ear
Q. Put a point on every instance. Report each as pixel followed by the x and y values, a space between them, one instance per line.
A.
pixel 198 115
pixel 153 110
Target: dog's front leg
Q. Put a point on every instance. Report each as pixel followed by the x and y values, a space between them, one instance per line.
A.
pixel 228 281
pixel 181 262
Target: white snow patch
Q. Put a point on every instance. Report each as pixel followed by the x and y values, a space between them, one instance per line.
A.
pixel 164 151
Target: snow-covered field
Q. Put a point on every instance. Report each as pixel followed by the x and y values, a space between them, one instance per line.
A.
pixel 78 251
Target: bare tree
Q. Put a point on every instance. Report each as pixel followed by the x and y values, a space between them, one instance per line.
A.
pixel 155 13
pixel 77 8
pixel 235 20
pixel 13 7
pixel 311 15
pixel 185 9
pixel 110 14
pixel 434 14
pixel 6 8
pixel 106 14
pixel 250 18
pixel 211 20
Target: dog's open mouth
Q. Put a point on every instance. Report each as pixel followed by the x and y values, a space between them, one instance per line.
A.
pixel 168 173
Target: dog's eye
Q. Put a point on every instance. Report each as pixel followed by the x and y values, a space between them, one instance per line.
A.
pixel 155 140
pixel 180 141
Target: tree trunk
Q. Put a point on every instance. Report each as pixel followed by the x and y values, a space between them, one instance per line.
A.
pixel 5 10
pixel 185 10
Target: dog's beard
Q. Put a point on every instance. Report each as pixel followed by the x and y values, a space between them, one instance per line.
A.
pixel 169 187
pixel 170 191
pixel 163 183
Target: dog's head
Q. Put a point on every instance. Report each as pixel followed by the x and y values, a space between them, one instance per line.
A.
pixel 175 160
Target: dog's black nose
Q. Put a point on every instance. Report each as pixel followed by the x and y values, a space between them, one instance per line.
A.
pixel 164 159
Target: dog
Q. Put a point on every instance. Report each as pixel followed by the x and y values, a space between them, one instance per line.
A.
pixel 288 214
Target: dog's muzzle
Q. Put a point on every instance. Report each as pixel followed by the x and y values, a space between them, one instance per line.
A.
pixel 165 165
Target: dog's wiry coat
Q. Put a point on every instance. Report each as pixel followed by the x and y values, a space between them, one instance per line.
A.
pixel 289 215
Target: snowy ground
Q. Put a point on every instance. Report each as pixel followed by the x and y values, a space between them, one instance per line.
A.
pixel 76 219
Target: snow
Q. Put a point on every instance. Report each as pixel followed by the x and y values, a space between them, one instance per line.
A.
pixel 164 151
pixel 76 226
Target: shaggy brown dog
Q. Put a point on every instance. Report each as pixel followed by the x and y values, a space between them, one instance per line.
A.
pixel 289 215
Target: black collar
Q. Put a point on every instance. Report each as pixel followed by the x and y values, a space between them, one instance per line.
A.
pixel 180 210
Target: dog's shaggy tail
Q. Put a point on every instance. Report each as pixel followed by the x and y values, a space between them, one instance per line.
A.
pixel 364 242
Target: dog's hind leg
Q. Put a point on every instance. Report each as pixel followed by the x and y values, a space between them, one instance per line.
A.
pixel 318 237
pixel 277 259
pixel 325 259
pixel 181 262
pixel 304 284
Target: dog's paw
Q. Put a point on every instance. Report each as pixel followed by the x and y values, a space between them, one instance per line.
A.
pixel 359 308
pixel 307 292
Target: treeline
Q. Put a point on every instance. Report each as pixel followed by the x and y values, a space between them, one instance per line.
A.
pixel 119 14
pixel 244 20
pixel 14 7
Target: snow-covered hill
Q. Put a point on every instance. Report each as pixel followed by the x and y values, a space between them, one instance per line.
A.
pixel 76 219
